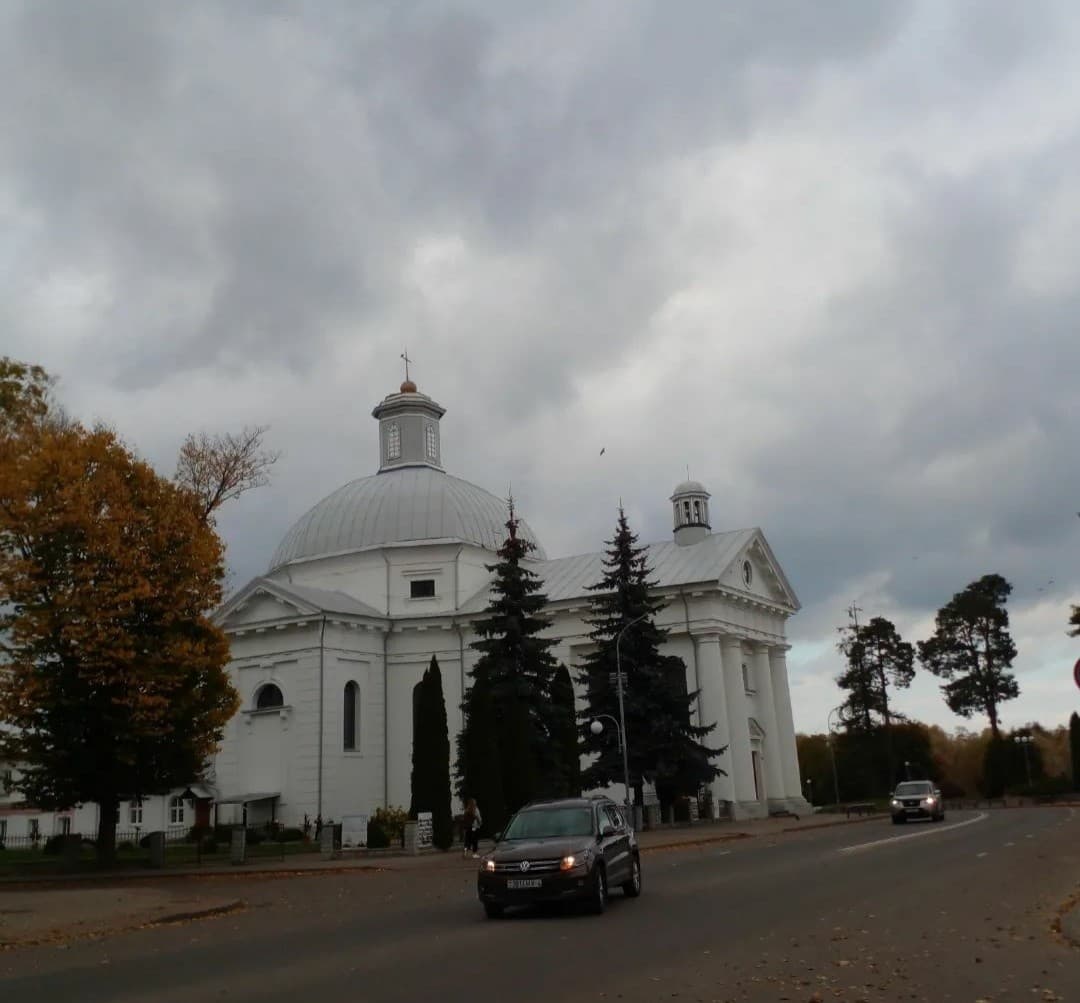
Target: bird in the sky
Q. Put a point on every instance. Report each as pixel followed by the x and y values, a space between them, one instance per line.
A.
pixel 602 450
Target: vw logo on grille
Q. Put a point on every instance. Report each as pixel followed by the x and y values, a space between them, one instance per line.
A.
pixel 525 865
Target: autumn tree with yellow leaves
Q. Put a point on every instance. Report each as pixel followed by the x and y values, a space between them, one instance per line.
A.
pixel 112 676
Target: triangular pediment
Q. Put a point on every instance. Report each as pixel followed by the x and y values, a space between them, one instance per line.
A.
pixel 756 572
pixel 262 602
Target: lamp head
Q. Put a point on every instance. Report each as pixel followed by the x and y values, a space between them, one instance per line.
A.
pixel 596 727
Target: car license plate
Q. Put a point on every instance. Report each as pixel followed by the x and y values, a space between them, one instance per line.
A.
pixel 523 883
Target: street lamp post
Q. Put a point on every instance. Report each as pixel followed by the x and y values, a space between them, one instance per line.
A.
pixel 622 712
pixel 620 726
pixel 1025 741
pixel 832 755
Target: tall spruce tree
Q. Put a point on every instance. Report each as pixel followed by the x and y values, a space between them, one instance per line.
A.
pixel 565 734
pixel 1074 749
pixel 479 769
pixel 971 649
pixel 662 742
pixel 431 757
pixel 518 669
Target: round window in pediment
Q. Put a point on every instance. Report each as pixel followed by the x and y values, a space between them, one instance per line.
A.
pixel 747 573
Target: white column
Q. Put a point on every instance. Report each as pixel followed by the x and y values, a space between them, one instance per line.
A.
pixel 742 766
pixel 786 724
pixel 712 708
pixel 774 771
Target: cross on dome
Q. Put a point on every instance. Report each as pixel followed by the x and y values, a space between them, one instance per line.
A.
pixel 408 387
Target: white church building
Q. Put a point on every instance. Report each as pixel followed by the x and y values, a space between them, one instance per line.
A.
pixel 328 646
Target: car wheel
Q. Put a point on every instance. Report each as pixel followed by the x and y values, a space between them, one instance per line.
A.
pixel 493 910
pixel 598 896
pixel 632 888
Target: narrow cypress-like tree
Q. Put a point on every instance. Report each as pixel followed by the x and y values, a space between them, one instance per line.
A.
pixel 662 742
pixel 1074 749
pixel 971 649
pixel 565 735
pixel 431 757
pixel 518 667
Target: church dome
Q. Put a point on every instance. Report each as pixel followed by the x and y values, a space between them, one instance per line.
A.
pixel 400 505
pixel 689 488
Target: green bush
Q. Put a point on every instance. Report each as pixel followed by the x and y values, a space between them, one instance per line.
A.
pixel 255 837
pixel 54 845
pixel 289 835
pixel 376 837
pixel 392 822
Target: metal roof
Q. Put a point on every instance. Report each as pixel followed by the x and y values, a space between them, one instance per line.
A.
pixel 404 505
pixel 706 561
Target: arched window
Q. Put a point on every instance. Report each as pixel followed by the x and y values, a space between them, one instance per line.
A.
pixel 686 511
pixel 432 449
pixel 176 810
pixel 393 441
pixel 352 714
pixel 697 510
pixel 269 696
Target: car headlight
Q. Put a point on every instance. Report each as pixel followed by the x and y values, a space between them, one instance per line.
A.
pixel 929 800
pixel 572 860
pixel 489 866
pixel 896 802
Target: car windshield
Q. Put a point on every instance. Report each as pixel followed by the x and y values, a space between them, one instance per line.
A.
pixel 550 822
pixel 913 788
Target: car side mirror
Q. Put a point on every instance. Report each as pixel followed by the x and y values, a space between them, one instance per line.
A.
pixel 607 830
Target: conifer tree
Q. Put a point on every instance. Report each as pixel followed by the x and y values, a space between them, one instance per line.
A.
pixel 565 736
pixel 431 757
pixel 662 742
pixel 517 668
pixel 972 649
pixel 877 658
pixel 479 770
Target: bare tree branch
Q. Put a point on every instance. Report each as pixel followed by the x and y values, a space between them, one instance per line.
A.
pixel 218 468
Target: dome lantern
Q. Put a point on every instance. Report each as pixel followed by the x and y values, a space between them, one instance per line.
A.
pixel 409 429
pixel 690 511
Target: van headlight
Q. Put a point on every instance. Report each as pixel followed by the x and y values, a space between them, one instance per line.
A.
pixel 489 865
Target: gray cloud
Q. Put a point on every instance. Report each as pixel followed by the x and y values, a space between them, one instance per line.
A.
pixel 819 254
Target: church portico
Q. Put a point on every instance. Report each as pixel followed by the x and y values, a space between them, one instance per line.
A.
pixel 390 570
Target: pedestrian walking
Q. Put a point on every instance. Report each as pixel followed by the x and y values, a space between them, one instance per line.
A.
pixel 473 821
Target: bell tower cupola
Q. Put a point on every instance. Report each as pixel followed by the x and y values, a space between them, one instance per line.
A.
pixel 409 429
pixel 690 509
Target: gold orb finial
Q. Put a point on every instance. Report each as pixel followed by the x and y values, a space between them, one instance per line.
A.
pixel 408 387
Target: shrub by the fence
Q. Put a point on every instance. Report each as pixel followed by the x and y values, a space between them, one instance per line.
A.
pixel 289 835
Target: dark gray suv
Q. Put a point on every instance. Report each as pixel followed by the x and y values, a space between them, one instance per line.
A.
pixel 555 851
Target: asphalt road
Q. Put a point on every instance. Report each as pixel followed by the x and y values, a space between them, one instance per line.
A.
pixel 961 910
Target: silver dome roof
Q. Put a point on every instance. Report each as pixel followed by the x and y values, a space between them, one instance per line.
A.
pixel 399 506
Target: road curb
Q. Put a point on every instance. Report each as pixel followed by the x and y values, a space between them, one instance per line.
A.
pixel 841 821
pixel 59 935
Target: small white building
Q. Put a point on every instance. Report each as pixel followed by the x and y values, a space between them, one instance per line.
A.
pixel 22 824
pixel 389 570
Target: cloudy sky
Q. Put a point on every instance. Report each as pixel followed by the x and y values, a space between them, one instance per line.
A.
pixel 822 254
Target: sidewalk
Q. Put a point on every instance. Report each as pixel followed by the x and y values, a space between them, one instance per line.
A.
pixel 58 908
